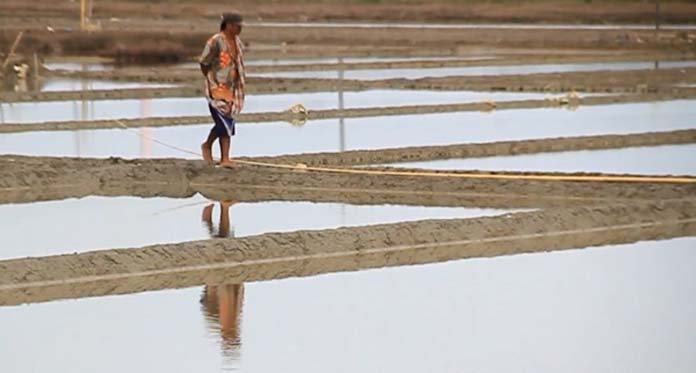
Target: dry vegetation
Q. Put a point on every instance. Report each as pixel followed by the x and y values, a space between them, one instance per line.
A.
pixel 566 11
pixel 174 30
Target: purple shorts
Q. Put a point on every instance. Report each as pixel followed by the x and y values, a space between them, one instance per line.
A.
pixel 224 125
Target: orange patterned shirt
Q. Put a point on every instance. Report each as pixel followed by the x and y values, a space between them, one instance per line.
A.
pixel 223 57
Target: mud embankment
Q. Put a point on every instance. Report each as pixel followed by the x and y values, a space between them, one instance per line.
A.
pixel 594 81
pixel 279 116
pixel 188 37
pixel 663 81
pixel 488 149
pixel 41 178
pixel 185 14
pixel 306 253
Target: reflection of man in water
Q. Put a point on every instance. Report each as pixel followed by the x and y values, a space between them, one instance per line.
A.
pixel 224 227
pixel 222 304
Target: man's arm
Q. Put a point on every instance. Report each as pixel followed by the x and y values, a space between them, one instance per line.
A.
pixel 210 77
pixel 210 51
pixel 205 69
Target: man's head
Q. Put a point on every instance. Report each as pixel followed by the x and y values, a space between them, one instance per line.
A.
pixel 231 23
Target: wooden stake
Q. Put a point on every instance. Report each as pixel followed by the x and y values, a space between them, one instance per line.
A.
pixel 36 71
pixel 657 16
pixel 83 11
pixel 12 50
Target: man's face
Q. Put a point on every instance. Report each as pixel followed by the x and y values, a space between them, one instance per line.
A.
pixel 234 28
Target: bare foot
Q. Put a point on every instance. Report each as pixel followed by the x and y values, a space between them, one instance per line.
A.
pixel 207 152
pixel 228 163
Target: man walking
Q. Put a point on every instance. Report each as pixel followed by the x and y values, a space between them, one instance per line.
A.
pixel 223 68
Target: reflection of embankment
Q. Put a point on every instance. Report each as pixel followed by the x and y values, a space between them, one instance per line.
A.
pixel 306 253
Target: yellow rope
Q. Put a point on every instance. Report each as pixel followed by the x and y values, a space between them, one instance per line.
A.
pixel 472 175
pixel 479 175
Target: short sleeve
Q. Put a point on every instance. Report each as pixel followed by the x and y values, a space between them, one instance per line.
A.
pixel 210 51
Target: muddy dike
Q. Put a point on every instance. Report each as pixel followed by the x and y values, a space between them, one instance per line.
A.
pixel 188 81
pixel 41 178
pixel 184 37
pixel 488 149
pixel 561 102
pixel 306 253
pixel 186 14
pixel 182 73
pixel 664 80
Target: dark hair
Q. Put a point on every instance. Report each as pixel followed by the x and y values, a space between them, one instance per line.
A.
pixel 231 17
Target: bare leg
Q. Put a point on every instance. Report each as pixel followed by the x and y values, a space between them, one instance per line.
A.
pixel 209 299
pixel 224 219
pixel 225 151
pixel 207 218
pixel 207 147
pixel 230 302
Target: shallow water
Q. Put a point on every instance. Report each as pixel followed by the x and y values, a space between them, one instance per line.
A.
pixel 64 84
pixel 27 112
pixel 376 74
pixel 365 133
pixel 654 160
pixel 69 84
pixel 78 66
pixel 90 66
pixel 373 59
pixel 630 308
pixel 96 223
pixel 332 60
